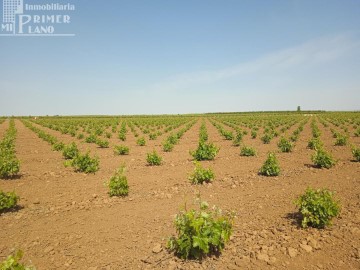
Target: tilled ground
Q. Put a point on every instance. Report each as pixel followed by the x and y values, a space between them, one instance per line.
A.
pixel 68 221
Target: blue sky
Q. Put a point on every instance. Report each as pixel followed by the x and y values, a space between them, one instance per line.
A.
pixel 152 57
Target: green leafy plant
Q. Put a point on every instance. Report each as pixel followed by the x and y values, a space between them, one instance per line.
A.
pixel 91 138
pixel 271 166
pixel 173 139
pixel 118 184
pixel 356 153
pixel 317 208
pixel 168 146
pixel 323 159
pixel 99 131
pixel 200 232
pixel 70 151
pixel 205 151
pixel 238 138
pixel 357 132
pixel 201 175
pixel 247 151
pixel 228 135
pixel 294 137
pixel 285 145
pixel 315 130
pixel 12 263
pixel 59 146
pixel 315 143
pixel 8 200
pixel 122 132
pixel 152 136
pixel 9 166
pixel 121 150
pixel 253 134
pixel 153 159
pixel 203 135
pixel 102 143
pixel 266 139
pixel 335 133
pixel 141 141
pixel 122 136
pixel 316 133
pixel 84 163
pixel 341 140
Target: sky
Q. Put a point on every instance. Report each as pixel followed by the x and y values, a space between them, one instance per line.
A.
pixel 188 56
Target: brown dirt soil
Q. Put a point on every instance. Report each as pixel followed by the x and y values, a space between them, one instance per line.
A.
pixel 68 221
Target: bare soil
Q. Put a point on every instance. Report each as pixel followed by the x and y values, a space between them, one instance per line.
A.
pixel 68 221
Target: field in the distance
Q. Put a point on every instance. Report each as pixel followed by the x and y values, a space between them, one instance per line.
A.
pixel 68 221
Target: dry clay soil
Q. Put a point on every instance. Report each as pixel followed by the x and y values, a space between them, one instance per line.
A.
pixel 68 221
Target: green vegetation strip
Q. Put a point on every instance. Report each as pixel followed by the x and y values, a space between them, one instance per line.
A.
pixel 9 164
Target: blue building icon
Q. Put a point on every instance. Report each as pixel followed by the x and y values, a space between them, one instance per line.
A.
pixel 10 8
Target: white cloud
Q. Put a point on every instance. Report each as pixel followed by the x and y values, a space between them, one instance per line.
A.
pixel 309 54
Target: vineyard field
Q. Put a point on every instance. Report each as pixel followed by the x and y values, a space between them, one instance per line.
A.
pixel 65 217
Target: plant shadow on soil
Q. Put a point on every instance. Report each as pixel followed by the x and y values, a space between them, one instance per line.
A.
pixel 295 218
pixel 312 166
pixel 13 177
pixel 212 254
pixel 11 210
